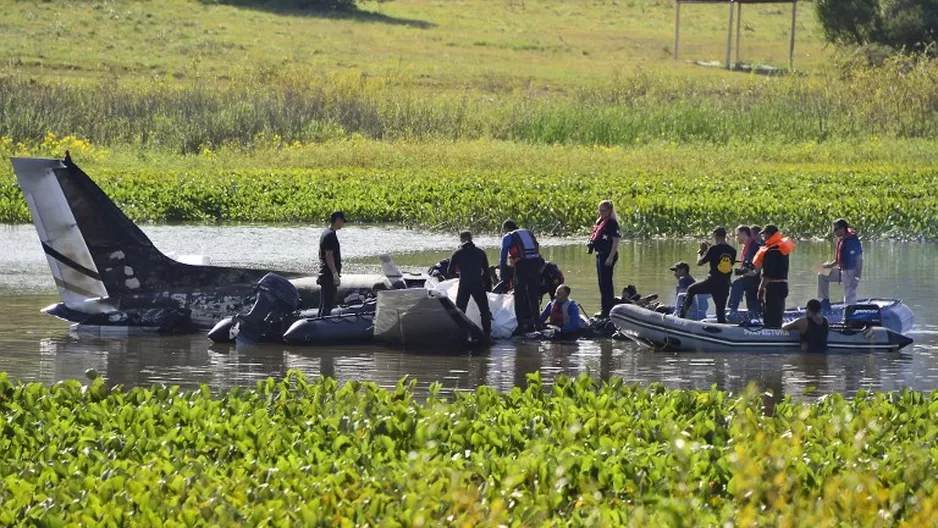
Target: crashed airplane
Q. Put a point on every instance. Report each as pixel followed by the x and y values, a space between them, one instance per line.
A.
pixel 113 280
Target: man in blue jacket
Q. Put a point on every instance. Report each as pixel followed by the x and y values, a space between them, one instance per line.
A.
pixel 562 315
pixel 520 253
pixel 846 268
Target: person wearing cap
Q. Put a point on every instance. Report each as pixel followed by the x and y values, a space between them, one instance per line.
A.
pixel 748 282
pixel 520 258
pixel 721 257
pixel 685 280
pixel 330 264
pixel 772 261
pixel 846 267
pixel 471 265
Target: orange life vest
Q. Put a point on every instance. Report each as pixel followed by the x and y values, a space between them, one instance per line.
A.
pixel 785 245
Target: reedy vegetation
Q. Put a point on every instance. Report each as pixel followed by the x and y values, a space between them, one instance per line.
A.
pixel 898 100
pixel 300 452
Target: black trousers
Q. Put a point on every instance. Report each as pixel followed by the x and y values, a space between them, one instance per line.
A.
pixel 775 295
pixel 718 288
pixel 477 292
pixel 527 286
pixel 607 292
pixel 327 295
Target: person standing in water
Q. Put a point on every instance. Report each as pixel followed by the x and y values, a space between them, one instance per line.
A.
pixel 521 250
pixel 604 241
pixel 472 266
pixel 330 264
pixel 813 328
pixel 721 257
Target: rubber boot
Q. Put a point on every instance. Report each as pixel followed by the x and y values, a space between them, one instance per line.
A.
pixel 826 306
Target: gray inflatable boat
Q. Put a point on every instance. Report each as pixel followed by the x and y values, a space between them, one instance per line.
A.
pixel 673 333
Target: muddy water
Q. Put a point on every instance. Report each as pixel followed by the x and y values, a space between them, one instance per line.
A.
pixel 36 347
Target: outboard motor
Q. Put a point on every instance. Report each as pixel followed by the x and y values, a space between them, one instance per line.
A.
pixel 276 302
pixel 860 316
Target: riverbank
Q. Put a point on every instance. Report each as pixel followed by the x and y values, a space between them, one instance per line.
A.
pixel 300 451
pixel 886 187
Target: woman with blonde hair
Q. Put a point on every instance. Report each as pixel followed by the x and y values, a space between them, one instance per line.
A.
pixel 604 241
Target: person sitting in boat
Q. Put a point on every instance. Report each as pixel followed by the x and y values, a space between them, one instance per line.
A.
pixel 562 315
pixel 551 278
pixel 846 267
pixel 813 328
pixel 684 280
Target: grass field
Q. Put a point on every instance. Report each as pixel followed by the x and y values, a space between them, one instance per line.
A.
pixel 446 114
pixel 490 44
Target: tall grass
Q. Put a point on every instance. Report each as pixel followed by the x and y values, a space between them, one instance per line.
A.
pixel 898 100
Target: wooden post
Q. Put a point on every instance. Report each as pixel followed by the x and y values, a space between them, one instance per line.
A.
pixel 677 26
pixel 729 37
pixel 791 46
pixel 739 20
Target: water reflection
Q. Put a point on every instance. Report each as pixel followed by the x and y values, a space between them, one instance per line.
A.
pixel 191 361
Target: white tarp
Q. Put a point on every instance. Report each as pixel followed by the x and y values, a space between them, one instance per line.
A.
pixel 502 307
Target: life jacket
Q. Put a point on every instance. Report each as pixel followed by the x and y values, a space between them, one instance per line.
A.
pixel 598 229
pixel 838 251
pixel 784 245
pixel 523 246
pixel 560 313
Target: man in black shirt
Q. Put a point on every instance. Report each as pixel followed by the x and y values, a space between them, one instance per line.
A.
pixel 330 264
pixel 721 257
pixel 472 266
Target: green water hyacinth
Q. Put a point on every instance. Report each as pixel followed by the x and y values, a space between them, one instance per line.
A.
pixel 298 452
pixel 886 200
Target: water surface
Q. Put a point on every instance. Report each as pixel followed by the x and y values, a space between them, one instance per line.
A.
pixel 36 347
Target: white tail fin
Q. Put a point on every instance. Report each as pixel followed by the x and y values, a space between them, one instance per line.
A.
pixel 72 265
pixel 391 271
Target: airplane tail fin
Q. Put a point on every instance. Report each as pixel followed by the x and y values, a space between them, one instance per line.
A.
pixel 391 271
pixel 74 270
pixel 93 249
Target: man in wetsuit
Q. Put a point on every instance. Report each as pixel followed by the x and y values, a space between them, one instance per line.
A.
pixel 330 264
pixel 520 248
pixel 472 266
pixel 772 260
pixel 721 257
pixel 813 328
pixel 551 278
